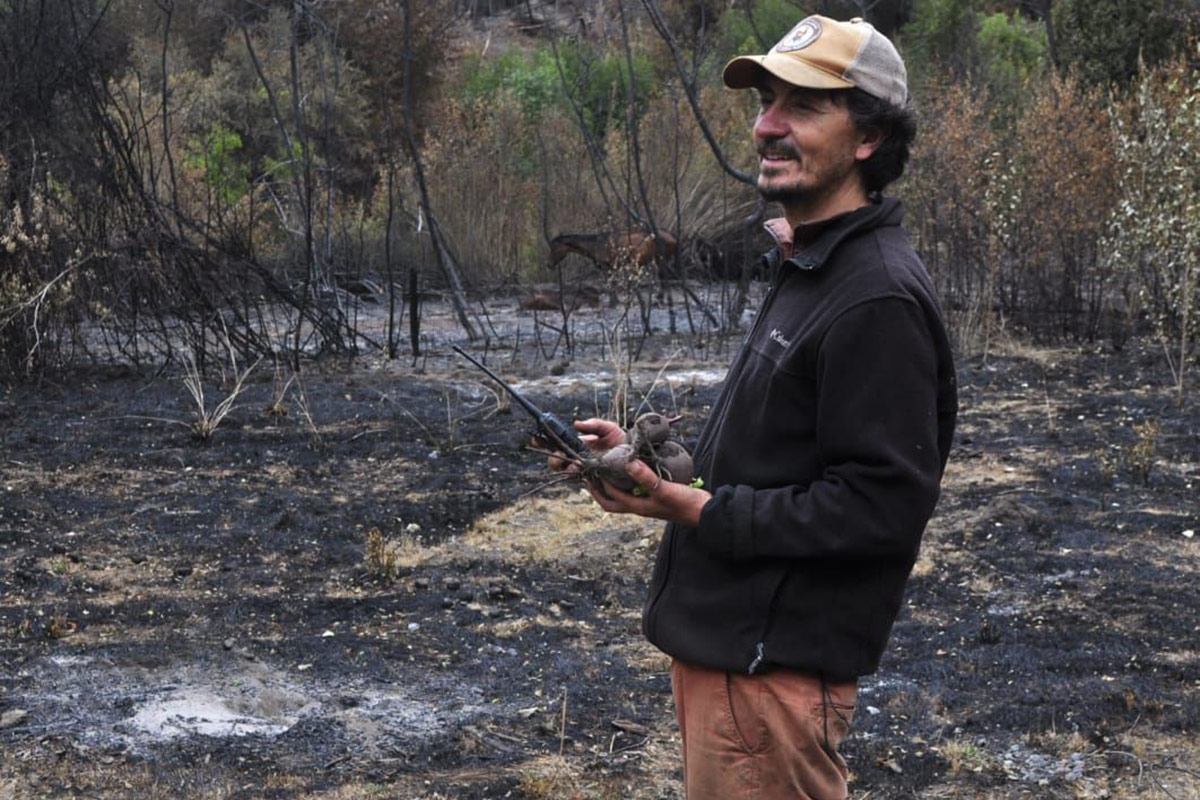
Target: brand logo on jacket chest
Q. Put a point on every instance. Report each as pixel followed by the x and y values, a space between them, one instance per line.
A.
pixel 777 338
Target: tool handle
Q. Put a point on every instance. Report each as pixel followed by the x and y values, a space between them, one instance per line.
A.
pixel 563 431
pixel 561 434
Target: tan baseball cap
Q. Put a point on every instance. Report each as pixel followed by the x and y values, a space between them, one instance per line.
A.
pixel 823 53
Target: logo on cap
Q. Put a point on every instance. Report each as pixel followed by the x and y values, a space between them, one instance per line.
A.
pixel 805 33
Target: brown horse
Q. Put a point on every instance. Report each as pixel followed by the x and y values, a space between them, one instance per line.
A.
pixel 605 249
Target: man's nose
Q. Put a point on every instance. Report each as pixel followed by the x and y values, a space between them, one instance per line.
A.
pixel 770 123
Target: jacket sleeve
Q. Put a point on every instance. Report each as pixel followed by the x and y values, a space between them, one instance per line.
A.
pixel 877 439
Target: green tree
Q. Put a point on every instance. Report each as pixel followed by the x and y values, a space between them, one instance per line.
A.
pixel 942 36
pixel 755 26
pixel 1104 39
pixel 216 158
pixel 598 81
pixel 1012 49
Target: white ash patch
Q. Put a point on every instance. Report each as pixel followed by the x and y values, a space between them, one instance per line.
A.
pixel 101 703
pixel 204 714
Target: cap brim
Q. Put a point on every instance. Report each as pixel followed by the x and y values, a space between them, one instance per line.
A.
pixel 747 72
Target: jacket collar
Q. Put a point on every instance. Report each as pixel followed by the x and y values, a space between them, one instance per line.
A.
pixel 818 241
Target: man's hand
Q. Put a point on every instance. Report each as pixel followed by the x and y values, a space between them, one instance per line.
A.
pixel 660 499
pixel 673 502
pixel 599 435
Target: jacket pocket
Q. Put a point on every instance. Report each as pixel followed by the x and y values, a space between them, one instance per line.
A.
pixel 659 580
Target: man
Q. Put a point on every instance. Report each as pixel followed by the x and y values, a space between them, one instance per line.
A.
pixel 825 449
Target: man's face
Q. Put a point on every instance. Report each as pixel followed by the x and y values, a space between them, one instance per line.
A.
pixel 808 145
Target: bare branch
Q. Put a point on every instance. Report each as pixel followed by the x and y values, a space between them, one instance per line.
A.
pixel 689 88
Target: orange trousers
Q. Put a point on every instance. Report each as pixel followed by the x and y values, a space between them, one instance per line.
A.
pixel 772 736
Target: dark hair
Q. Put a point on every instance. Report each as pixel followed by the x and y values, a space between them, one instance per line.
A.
pixel 898 127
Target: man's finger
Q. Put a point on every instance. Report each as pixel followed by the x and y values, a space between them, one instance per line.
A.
pixel 643 476
pixel 598 487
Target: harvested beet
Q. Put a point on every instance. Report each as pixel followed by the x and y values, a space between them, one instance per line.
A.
pixel 674 462
pixel 650 428
pixel 647 440
pixel 612 466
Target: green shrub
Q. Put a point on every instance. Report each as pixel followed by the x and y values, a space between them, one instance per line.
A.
pixel 597 82
pixel 530 76
pixel 770 18
pixel 1103 40
pixel 1012 49
pixel 215 157
pixel 941 34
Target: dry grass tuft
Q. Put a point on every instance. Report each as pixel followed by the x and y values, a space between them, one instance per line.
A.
pixel 962 756
pixel 559 530
pixel 207 419
pixel 551 778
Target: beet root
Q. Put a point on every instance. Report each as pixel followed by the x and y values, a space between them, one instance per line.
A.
pixel 674 462
pixel 650 428
pixel 612 467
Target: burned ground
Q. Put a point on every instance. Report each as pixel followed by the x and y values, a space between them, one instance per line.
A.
pixel 180 619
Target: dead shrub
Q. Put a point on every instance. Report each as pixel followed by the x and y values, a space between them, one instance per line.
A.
pixel 485 157
pixel 1009 217
pixel 685 186
pixel 1139 457
pixel 1156 225
pixel 380 558
pixel 39 297
pixel 1059 189
pixel 952 165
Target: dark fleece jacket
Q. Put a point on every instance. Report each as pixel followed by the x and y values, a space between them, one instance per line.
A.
pixel 825 451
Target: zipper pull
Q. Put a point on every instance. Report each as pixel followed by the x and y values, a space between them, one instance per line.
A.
pixel 758 657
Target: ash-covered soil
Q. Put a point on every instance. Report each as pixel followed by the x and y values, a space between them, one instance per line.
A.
pixel 359 601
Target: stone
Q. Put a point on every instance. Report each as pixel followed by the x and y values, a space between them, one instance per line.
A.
pixel 13 718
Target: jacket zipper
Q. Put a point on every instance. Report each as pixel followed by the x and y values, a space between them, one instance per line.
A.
pixel 760 647
pixel 768 301
pixel 651 618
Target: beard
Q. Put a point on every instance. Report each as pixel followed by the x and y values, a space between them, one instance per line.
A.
pixel 785 194
pixel 780 192
pixel 807 183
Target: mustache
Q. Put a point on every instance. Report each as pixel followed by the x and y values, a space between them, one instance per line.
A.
pixel 776 147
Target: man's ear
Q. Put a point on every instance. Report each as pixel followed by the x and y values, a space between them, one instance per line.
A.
pixel 869 141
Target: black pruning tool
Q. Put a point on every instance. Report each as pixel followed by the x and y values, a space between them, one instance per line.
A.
pixel 558 432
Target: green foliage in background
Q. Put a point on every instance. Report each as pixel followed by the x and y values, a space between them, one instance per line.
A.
pixel 528 75
pixel 216 158
pixel 1012 49
pixel 599 82
pixel 770 18
pixel 282 166
pixel 1103 39
pixel 941 36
